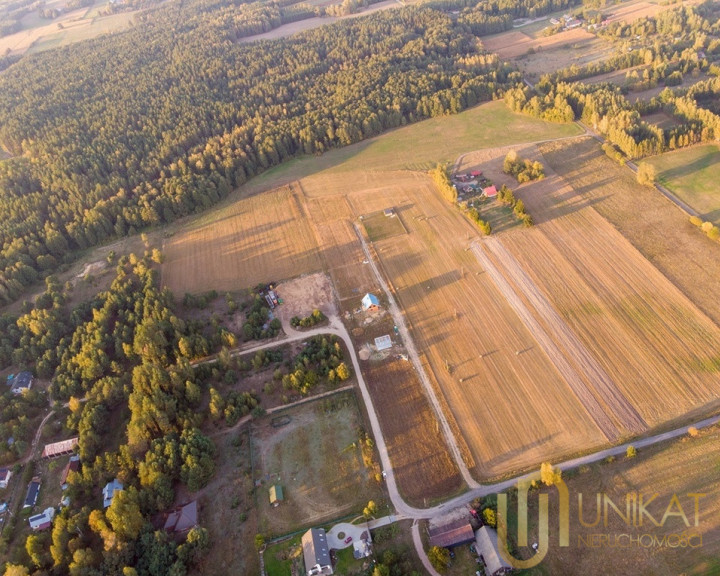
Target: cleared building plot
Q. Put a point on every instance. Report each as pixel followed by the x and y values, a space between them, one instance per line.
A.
pixel 258 239
pixel 421 461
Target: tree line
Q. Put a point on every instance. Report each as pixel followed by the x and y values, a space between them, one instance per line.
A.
pixel 143 127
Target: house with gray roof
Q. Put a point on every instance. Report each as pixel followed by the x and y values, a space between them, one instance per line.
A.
pixel 109 491
pixel 316 553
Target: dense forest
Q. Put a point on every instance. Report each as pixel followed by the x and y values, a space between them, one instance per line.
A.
pixel 662 51
pixel 126 131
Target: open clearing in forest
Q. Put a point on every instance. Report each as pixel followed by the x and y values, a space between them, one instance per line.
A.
pixel 316 458
pixel 514 43
pixel 691 174
pixel 684 466
pixel 260 239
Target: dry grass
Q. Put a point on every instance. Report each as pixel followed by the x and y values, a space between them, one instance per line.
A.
pixel 228 511
pixel 317 459
pixel 658 349
pixel 655 226
pixel 421 461
pixel 379 226
pixel 512 410
pixel 513 43
pixel 259 239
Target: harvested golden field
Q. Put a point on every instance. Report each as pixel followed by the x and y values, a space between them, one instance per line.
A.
pixel 509 401
pixel 262 238
pixel 421 461
pixel 653 224
pixel 513 43
pixel 632 11
pixel 644 350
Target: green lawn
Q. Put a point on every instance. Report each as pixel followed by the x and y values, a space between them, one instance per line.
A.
pixel 691 173
pixel 279 557
pixel 422 145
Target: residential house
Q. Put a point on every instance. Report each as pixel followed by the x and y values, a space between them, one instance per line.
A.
pixel 370 302
pixel 21 382
pixel 5 474
pixel 109 492
pixel 316 553
pixel 452 534
pixel 182 518
pixel 73 465
pixel 42 521
pixel 490 192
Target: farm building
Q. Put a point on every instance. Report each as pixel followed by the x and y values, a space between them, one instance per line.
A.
pixel 32 493
pixel 486 543
pixel 109 492
pixel 42 521
pixel 73 465
pixel 5 475
pixel 21 382
pixel 276 494
pixel 453 534
pixel 490 192
pixel 389 212
pixel 182 518
pixel 316 553
pixel 59 448
pixel 370 302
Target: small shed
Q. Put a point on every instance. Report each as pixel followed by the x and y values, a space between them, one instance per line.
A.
pixel 370 302
pixel 276 494
pixel 476 173
pixel 389 212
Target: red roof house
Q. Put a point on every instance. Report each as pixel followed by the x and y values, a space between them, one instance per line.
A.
pixel 490 192
pixel 476 173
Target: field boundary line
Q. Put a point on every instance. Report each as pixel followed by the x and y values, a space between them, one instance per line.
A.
pixel 601 382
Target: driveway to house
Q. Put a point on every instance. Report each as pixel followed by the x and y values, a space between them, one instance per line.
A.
pixel 338 534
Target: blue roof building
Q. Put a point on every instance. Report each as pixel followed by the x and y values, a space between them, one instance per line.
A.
pixel 370 302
